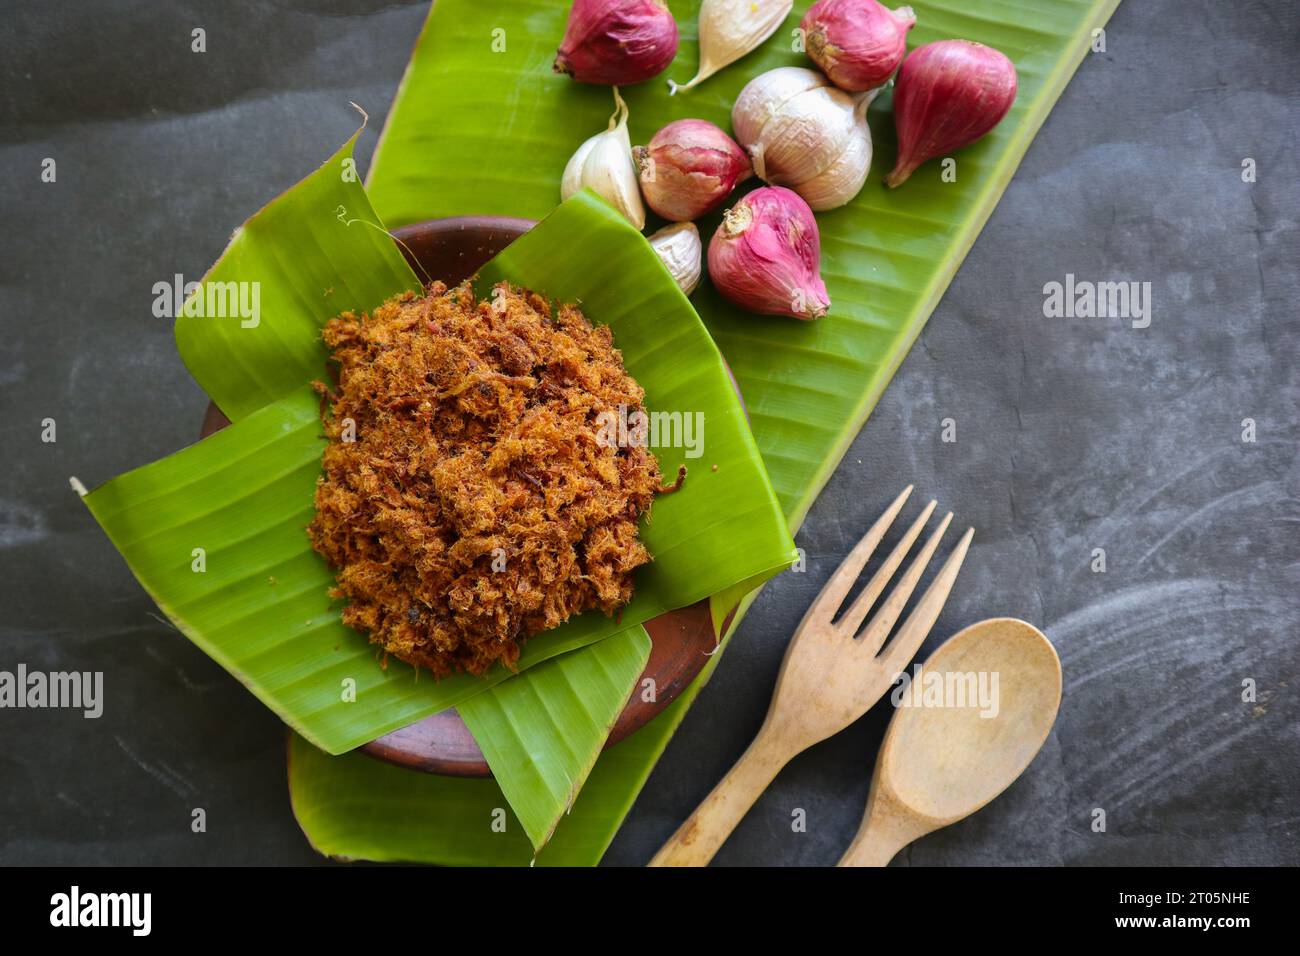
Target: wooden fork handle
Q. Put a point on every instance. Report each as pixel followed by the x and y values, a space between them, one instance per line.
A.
pixel 705 830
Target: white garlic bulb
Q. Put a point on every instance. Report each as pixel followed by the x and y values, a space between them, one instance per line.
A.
pixel 731 28
pixel 805 133
pixel 679 246
pixel 604 163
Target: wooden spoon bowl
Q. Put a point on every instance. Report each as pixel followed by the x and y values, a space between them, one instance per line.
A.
pixel 939 764
pixel 453 250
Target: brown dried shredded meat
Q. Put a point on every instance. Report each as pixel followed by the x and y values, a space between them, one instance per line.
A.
pixel 467 501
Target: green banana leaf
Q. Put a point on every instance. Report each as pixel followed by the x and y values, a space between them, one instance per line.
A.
pixel 476 131
pixel 541 734
pixel 243 496
pixel 311 254
pixel 355 808
pixel 259 605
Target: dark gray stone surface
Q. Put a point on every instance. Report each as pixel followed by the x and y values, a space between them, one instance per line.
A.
pixel 1072 435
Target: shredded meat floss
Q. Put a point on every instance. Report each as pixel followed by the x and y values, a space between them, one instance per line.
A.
pixel 467 503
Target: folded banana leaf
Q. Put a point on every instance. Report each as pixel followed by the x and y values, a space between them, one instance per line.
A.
pixel 481 126
pixel 355 808
pixel 542 732
pixel 215 533
pixel 311 254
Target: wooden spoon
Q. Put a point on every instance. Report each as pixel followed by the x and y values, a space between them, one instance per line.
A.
pixel 939 764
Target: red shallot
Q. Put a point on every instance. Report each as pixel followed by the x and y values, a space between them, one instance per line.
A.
pixel 617 41
pixel 688 168
pixel 947 95
pixel 766 255
pixel 857 43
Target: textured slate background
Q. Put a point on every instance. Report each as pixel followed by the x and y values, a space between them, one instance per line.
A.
pixel 1072 434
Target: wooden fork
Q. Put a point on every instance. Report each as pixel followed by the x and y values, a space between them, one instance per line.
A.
pixel 832 674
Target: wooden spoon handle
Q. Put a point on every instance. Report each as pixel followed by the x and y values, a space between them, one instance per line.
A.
pixel 705 830
pixel 878 840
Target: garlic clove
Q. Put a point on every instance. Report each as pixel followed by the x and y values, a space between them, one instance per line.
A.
pixel 762 96
pixel 678 245
pixel 604 164
pixel 766 255
pixel 617 42
pixel 731 28
pixel 571 182
pixel 610 173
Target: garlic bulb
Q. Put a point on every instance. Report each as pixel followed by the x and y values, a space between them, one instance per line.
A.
pixel 731 28
pixel 763 95
pixel 805 133
pixel 604 163
pixel 679 247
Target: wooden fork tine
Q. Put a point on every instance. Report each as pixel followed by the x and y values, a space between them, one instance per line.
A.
pixel 874 634
pixel 863 602
pixel 912 634
pixel 832 595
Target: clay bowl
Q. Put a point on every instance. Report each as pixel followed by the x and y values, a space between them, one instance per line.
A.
pixel 452 250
